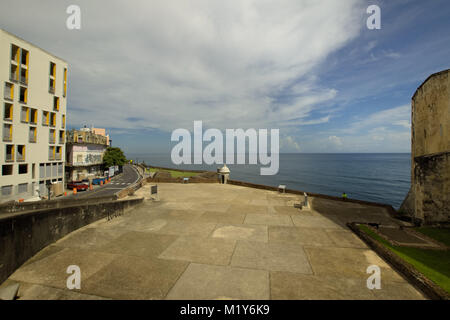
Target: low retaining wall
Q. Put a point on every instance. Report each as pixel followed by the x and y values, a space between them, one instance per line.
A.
pixel 24 234
pixel 390 209
pixel 51 204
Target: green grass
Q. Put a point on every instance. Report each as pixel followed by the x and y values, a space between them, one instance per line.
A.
pixel 173 173
pixel 440 234
pixel 434 264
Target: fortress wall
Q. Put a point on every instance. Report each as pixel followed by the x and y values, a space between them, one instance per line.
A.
pixel 430 135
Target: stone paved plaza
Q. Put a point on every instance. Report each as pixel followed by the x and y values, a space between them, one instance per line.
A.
pixel 212 241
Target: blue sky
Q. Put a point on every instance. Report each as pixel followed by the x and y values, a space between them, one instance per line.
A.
pixel 312 69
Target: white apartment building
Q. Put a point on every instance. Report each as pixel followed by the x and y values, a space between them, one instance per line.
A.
pixel 33 95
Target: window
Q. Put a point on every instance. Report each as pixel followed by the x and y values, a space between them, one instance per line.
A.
pixel 25 114
pixel 41 170
pixel 63 121
pixel 45 118
pixel 7 132
pixel 65 83
pixel 51 136
pixel 34 116
pixel 32 134
pixel 61 136
pixel 52 70
pixel 9 156
pixel 52 79
pixel 53 119
pixel 58 153
pixel 14 73
pixel 51 153
pixel 7 190
pixel 24 57
pixel 20 153
pixel 23 94
pixel 24 76
pixel 23 168
pixel 8 111
pixel 56 103
pixel 23 188
pixel 9 91
pixel 14 54
pixel 7 169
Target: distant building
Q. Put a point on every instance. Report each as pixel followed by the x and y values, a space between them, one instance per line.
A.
pixel 85 150
pixel 33 115
pixel 428 201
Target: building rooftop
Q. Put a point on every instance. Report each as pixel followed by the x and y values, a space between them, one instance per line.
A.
pixel 214 241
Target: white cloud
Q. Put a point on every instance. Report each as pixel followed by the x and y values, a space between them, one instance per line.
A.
pixel 223 62
pixel 289 144
pixel 336 141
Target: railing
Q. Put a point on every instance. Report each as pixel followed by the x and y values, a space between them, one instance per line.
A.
pixel 23 80
pixel 51 140
pixel 31 137
pixel 20 157
pixel 9 157
pixel 58 156
pixel 51 90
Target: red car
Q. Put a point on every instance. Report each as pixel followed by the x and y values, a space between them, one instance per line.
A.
pixel 79 185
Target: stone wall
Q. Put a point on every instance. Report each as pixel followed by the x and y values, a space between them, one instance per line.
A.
pixel 24 234
pixel 430 138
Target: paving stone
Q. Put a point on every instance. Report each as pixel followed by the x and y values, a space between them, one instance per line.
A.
pixel 39 292
pixel 89 238
pixel 343 238
pixel 287 210
pixel 241 232
pixel 271 256
pixel 52 270
pixel 206 282
pixel 268 219
pixel 295 286
pixel 182 228
pixel 222 217
pixel 301 236
pixel 139 244
pixel 200 250
pixel 247 209
pixel 348 262
pixel 129 277
pixel 397 291
pixel 316 222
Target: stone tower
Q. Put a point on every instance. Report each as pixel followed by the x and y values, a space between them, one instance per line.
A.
pixel 428 201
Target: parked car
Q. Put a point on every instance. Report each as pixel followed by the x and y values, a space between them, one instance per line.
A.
pixel 79 185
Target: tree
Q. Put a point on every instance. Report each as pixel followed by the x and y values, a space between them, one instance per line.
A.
pixel 113 157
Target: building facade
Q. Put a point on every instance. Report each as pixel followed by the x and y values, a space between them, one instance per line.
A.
pixel 33 89
pixel 428 201
pixel 85 150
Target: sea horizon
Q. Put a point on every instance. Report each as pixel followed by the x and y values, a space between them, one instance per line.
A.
pixel 376 177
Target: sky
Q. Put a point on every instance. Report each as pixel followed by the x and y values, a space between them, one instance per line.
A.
pixel 311 68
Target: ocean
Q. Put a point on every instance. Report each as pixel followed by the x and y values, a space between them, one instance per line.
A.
pixel 377 177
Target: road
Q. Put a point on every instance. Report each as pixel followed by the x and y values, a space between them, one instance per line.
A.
pixel 127 178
